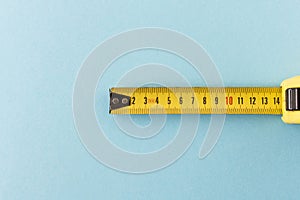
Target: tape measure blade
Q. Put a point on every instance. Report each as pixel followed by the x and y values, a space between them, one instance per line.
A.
pixel 197 100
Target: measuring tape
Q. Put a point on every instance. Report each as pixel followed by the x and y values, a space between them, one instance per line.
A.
pixel 284 100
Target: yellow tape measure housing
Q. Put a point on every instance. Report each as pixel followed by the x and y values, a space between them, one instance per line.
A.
pixel 291 98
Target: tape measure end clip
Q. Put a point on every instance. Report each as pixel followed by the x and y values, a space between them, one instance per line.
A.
pixel 118 101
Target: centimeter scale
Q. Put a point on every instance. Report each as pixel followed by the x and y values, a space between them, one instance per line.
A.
pixel 283 100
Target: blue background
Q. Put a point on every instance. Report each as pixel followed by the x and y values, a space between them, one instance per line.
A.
pixel 43 45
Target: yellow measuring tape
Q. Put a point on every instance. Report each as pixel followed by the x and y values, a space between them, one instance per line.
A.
pixel 200 100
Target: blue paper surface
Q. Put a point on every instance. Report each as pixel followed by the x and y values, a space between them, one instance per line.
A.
pixel 43 45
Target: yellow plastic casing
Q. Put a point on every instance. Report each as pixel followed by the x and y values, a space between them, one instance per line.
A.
pixel 290 117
